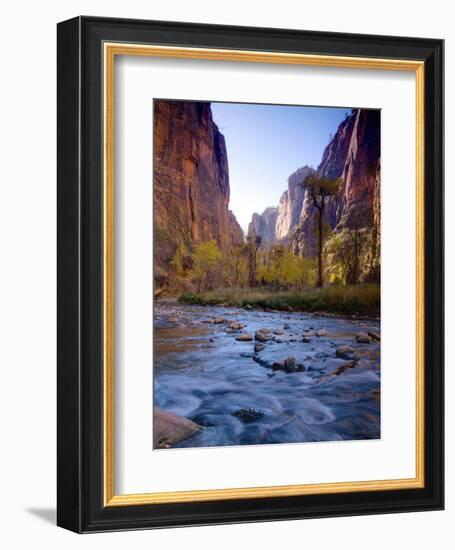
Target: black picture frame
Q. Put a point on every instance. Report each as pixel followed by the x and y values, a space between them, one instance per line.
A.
pixel 80 474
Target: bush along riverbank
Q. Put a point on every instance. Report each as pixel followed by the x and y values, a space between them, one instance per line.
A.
pixel 345 300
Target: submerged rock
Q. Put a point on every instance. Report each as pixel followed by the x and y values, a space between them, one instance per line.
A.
pixel 258 346
pixel 344 367
pixel 248 415
pixel 278 365
pixel 306 339
pixel 170 428
pixel 289 362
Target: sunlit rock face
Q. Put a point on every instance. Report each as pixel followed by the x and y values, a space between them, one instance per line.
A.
pixel 354 156
pixel 263 225
pixel 191 181
pixel 275 224
pixel 291 203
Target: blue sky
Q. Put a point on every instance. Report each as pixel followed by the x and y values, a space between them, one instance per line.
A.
pixel 265 144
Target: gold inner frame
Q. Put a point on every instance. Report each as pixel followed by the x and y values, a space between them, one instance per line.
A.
pixel 110 51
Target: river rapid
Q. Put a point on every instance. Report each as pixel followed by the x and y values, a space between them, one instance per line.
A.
pixel 296 386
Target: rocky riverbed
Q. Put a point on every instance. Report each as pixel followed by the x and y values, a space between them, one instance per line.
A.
pixel 249 377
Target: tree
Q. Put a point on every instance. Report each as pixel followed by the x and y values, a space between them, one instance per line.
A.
pixel 346 248
pixel 239 259
pixel 253 242
pixel 206 260
pixel 181 262
pixel 319 189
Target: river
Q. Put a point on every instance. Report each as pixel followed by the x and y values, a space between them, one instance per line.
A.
pixel 242 397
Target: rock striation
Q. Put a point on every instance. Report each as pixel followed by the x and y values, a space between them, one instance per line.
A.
pixel 191 181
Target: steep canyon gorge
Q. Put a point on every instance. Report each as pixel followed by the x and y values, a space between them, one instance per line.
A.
pixel 192 191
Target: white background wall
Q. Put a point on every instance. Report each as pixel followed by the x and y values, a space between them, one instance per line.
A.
pixel 28 264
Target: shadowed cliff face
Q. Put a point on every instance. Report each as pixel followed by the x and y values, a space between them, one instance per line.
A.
pixel 191 181
pixel 354 156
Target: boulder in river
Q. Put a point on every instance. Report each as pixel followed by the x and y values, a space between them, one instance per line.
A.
pixel 258 346
pixel 321 332
pixel 234 325
pixel 244 337
pixel 344 367
pixel 374 336
pixel 219 321
pixel 278 365
pixel 170 428
pixel 248 415
pixel 363 338
pixel 262 336
pixel 345 352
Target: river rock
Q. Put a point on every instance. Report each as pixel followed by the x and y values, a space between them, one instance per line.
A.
pixel 363 339
pixel 278 331
pixel 170 428
pixel 321 332
pixel 344 367
pixel 345 352
pixel 289 362
pixel 248 415
pixel 234 325
pixel 262 336
pixel 258 346
pixel 278 365
pixel 244 337
pixel 219 321
pixel 248 306
pixel 374 336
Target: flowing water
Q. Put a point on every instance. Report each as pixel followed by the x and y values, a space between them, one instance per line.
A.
pixel 203 373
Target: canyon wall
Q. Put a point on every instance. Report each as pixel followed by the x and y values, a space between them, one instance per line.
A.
pixel 276 224
pixel 353 155
pixel 291 204
pixel 191 182
pixel 264 225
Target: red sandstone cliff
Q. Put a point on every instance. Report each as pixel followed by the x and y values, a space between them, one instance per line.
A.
pixel 191 181
pixel 354 156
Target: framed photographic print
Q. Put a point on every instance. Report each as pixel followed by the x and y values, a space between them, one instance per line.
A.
pixel 250 274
